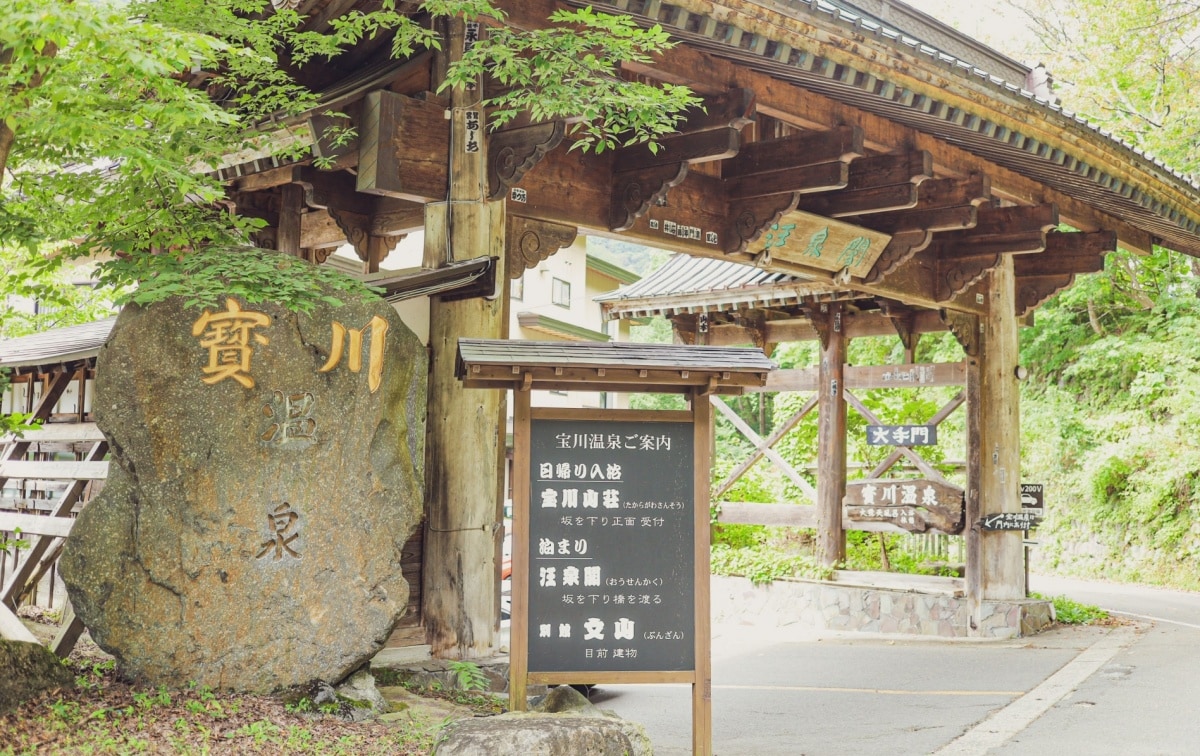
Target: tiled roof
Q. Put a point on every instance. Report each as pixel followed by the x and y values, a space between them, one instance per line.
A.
pixel 1082 163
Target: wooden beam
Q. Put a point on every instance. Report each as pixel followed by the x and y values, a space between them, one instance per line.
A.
pixel 856 202
pixel 702 147
pixel 68 633
pixel 395 217
pixel 31 470
pixel 318 230
pixel 762 446
pixel 52 432
pixel 403 146
pixel 942 205
pixel 11 627
pixel 1011 220
pixel 925 375
pixel 787 515
pixel 1015 243
pixel 916 219
pixel 911 167
pixel 1063 263
pixel 733 108
pixel 20 578
pixel 995 566
pixel 821 177
pixel 287 234
pixel 1081 243
pixel 840 144
pixel 40 525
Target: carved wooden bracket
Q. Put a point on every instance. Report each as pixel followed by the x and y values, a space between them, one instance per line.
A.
pixel 904 319
pixel 513 152
pixel 634 191
pixel 371 249
pixel 318 255
pixel 528 242
pixel 826 320
pixel 956 276
pixel 755 323
pixel 752 217
pixel 898 251
pixel 1035 290
pixel 965 328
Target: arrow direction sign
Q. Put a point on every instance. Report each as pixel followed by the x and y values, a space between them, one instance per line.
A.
pixel 1010 521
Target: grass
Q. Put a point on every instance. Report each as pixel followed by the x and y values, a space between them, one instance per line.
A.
pixel 104 714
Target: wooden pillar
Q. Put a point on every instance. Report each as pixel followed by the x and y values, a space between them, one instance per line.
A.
pixel 703 437
pixel 465 442
pixel 995 560
pixel 831 434
pixel 287 234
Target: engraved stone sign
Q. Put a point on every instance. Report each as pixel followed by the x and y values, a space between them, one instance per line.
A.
pixel 265 476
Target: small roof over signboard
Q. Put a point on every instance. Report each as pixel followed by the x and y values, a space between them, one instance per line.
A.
pixel 621 366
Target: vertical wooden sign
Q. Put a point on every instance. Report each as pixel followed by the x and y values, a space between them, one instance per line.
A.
pixel 611 551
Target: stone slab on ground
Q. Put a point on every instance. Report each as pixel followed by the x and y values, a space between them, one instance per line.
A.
pixel 562 723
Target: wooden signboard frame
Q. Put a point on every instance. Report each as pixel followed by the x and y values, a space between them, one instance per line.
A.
pixel 700 677
pixel 695 372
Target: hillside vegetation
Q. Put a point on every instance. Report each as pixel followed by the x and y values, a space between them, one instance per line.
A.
pixel 1110 417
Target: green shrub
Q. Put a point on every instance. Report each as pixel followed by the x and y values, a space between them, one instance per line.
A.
pixel 1070 612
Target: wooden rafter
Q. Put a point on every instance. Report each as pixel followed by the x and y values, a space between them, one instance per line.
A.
pixel 841 144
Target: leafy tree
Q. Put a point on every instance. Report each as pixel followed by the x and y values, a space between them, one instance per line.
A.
pixel 1129 66
pixel 108 139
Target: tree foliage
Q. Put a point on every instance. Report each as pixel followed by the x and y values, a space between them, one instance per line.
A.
pixel 1130 66
pixel 114 113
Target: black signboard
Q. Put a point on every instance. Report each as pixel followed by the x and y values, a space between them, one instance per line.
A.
pixel 611 546
pixel 1010 521
pixel 901 435
pixel 1032 496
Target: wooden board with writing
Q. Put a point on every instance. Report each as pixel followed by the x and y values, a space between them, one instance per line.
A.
pixel 912 506
pixel 611 546
pixel 820 242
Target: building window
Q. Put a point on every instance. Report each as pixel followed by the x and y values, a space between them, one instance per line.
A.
pixel 561 293
pixel 517 288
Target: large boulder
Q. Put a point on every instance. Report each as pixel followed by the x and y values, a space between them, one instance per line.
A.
pixel 266 472
pixel 29 669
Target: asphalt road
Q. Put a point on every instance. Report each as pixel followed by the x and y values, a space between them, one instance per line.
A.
pixel 1129 689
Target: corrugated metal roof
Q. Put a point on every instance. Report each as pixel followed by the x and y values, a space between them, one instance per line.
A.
pixel 623 354
pixel 701 284
pixel 683 274
pixel 79 342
